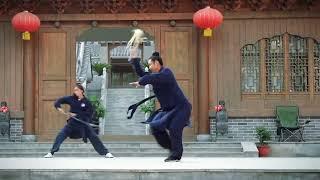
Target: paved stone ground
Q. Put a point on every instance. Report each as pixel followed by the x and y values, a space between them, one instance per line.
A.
pixel 155 164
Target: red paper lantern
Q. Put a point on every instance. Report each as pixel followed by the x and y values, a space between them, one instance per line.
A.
pixel 207 19
pixel 25 22
pixel 218 108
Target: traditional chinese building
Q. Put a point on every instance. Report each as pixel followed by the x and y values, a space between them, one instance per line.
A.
pixel 265 53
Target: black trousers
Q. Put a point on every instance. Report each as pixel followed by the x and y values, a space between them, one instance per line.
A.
pixel 173 122
pixel 171 140
pixel 91 135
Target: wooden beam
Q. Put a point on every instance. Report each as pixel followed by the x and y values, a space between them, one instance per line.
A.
pixel 170 16
pixel 111 17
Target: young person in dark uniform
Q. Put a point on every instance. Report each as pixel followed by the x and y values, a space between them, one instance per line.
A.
pixel 175 108
pixel 80 108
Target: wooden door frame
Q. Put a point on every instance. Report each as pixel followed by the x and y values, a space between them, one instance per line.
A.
pixel 38 98
pixel 194 39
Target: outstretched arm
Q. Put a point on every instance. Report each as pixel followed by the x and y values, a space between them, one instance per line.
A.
pixel 164 77
pixel 135 61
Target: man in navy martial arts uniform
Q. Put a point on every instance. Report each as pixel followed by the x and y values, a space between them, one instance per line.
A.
pixel 175 108
pixel 80 108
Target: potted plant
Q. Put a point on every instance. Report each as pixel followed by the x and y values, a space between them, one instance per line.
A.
pixel 99 111
pixel 263 135
pixel 148 107
pixel 98 67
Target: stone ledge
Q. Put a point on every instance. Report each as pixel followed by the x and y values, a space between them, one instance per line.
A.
pixel 156 164
pixel 294 149
pixel 16 114
pixel 250 149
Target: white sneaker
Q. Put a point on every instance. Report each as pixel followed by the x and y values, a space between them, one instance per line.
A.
pixel 49 155
pixel 109 155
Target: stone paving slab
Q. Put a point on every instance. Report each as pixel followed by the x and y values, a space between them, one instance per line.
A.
pixel 156 164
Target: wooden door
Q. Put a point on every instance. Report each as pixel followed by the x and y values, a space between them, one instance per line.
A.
pixel 54 79
pixel 178 53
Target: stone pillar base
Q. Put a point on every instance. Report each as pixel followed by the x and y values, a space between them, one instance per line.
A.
pixel 204 137
pixel 29 138
pixel 16 128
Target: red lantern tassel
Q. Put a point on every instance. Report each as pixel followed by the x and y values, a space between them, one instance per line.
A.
pixel 26 36
pixel 207 32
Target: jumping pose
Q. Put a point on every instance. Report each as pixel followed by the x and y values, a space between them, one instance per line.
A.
pixel 78 124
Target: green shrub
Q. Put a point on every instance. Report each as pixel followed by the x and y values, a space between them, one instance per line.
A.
pixel 263 135
pixel 98 67
pixel 98 107
pixel 148 107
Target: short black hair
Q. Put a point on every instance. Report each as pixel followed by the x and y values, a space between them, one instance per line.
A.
pixel 78 85
pixel 156 57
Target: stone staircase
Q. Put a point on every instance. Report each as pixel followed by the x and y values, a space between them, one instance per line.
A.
pixel 118 101
pixel 123 149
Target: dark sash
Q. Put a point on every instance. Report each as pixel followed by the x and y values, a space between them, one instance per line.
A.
pixel 134 107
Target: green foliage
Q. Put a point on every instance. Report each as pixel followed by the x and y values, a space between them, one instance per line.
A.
pixel 263 135
pixel 98 67
pixel 145 64
pixel 148 107
pixel 98 107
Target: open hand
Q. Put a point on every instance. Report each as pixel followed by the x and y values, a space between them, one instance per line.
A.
pixel 72 114
pixel 61 110
pixel 134 52
pixel 136 84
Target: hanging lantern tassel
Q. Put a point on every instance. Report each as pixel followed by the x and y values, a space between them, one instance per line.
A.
pixel 207 32
pixel 26 36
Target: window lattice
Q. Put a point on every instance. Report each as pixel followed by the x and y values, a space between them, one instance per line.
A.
pixel 275 64
pixel 298 59
pixel 250 68
pixel 317 66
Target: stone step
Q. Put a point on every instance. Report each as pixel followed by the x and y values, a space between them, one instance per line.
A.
pixel 120 122
pixel 117 145
pixel 116 122
pixel 153 168
pixel 121 149
pixel 116 91
pixel 4 139
pixel 118 150
pixel 121 154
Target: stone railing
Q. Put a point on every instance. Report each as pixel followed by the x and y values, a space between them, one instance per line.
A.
pixel 103 99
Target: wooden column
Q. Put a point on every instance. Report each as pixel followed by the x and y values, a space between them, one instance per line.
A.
pixel 311 68
pixel 203 84
pixel 287 75
pixel 263 70
pixel 28 87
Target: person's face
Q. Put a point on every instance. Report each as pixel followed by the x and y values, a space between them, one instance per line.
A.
pixel 78 92
pixel 154 66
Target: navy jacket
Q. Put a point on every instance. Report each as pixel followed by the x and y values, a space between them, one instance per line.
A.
pixel 84 111
pixel 82 108
pixel 164 84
